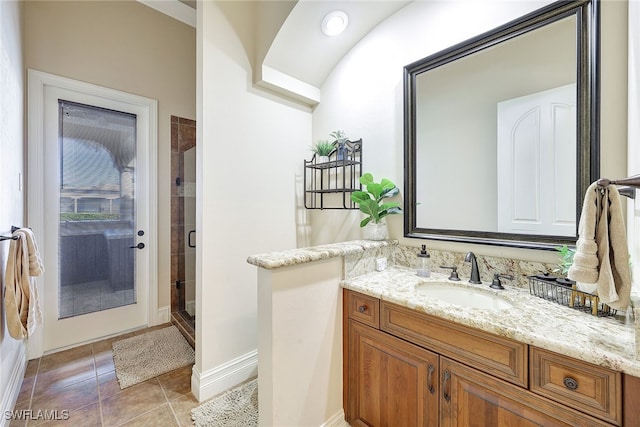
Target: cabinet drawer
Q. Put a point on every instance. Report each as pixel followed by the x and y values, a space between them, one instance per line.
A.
pixel 363 308
pixel 580 385
pixel 501 357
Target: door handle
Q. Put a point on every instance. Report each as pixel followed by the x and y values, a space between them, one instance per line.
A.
pixel 191 245
pixel 138 246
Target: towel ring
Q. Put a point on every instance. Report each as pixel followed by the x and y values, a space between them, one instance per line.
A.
pixel 629 185
pixel 632 181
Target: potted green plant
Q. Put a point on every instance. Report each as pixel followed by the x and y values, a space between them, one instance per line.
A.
pixel 372 203
pixel 566 259
pixel 322 149
pixel 341 138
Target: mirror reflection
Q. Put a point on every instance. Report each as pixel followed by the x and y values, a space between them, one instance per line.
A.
pixel 496 138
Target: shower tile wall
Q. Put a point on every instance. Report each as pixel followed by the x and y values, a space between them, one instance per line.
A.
pixel 183 138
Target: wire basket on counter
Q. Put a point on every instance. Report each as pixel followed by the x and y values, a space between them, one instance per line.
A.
pixel 564 292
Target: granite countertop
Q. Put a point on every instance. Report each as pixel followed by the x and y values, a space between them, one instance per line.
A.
pixel 605 341
pixel 274 260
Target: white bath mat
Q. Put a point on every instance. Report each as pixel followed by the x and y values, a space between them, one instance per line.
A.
pixel 148 355
pixel 237 407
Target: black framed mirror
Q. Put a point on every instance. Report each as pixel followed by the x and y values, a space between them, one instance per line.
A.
pixel 502 131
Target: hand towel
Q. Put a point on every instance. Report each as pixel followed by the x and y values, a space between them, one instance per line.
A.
pixel 585 260
pixel 36 268
pixel 614 280
pixel 22 304
pixel 16 294
pixel 602 255
pixel 35 262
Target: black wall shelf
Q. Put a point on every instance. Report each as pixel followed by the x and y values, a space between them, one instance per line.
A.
pixel 328 183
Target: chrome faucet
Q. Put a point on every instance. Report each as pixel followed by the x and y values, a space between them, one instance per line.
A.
pixel 475 273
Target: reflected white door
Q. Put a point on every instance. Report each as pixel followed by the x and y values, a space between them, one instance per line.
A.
pixel 536 151
pixel 97 243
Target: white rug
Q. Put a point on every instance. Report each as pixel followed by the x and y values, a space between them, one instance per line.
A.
pixel 148 355
pixel 237 407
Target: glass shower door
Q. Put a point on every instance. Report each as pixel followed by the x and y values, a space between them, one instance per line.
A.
pixel 189 188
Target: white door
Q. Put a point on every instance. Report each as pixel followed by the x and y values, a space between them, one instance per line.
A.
pixel 92 209
pixel 537 164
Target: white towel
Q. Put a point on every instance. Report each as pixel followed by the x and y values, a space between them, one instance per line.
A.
pixel 585 267
pixel 22 304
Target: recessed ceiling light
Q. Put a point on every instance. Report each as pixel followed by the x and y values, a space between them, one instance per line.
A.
pixel 334 23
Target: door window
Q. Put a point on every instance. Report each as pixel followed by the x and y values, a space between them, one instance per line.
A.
pixel 97 209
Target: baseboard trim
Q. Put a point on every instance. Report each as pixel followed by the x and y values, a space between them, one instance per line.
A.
pixel 10 394
pixel 337 420
pixel 190 307
pixel 205 385
pixel 164 316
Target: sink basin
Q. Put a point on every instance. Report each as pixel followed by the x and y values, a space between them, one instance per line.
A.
pixel 463 296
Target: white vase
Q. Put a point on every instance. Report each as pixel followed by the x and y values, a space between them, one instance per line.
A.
pixel 373 231
pixel 322 159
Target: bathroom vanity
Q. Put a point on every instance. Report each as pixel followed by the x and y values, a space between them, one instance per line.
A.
pixel 414 361
pixel 339 340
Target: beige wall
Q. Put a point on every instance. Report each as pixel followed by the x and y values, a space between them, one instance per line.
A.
pixel 250 145
pixel 127 46
pixel 300 344
pixel 633 218
pixel 614 90
pixel 12 352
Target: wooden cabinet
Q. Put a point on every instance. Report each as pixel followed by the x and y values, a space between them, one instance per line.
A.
pixel 392 383
pixel 472 398
pixel 406 368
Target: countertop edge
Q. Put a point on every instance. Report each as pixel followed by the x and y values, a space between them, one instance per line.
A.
pixel 278 259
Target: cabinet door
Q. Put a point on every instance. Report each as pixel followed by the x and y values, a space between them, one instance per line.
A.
pixel 390 382
pixel 470 398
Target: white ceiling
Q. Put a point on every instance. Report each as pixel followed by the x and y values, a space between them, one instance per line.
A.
pixel 191 3
pixel 181 10
pixel 302 51
pixel 300 56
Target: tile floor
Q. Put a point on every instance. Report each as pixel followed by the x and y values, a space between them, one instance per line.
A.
pixel 82 381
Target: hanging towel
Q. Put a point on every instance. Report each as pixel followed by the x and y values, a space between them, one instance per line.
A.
pixel 21 300
pixel 602 228
pixel 585 260
pixel 614 281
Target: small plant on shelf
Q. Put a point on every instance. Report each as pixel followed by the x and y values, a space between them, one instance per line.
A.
pixel 371 201
pixel 339 135
pixel 341 138
pixel 566 259
pixel 322 148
